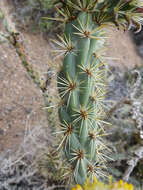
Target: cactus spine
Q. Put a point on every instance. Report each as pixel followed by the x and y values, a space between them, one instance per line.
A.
pixel 81 81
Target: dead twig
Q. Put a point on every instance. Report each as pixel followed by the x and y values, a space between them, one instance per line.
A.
pixel 136 103
pixel 118 104
pixel 138 155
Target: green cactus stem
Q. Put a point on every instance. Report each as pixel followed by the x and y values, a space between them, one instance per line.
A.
pixel 82 80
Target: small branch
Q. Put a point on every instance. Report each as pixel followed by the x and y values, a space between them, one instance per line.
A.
pixel 137 116
pixel 136 103
pixel 118 104
pixel 138 155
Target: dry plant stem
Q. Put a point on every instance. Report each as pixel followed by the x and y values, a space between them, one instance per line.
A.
pixel 138 155
pixel 136 104
pixel 125 100
pixel 138 118
pixel 21 166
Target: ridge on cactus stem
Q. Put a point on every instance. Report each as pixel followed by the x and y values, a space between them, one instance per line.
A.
pixel 82 79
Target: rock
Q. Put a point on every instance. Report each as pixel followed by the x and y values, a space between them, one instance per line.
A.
pixel 1 131
pixel 138 39
pixel 9 108
pixel 140 50
pixel 28 110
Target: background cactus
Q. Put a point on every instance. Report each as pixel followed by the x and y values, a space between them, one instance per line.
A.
pixel 81 81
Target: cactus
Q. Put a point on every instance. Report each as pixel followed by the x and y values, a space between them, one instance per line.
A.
pixel 82 80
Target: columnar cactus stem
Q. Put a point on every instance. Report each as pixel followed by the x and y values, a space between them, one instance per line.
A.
pixel 81 82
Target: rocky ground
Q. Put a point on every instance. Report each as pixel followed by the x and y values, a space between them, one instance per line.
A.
pixel 21 101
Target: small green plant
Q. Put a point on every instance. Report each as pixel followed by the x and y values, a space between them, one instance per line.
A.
pixel 82 79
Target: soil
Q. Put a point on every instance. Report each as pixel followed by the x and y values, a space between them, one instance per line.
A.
pixel 21 101
pixel 122 49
